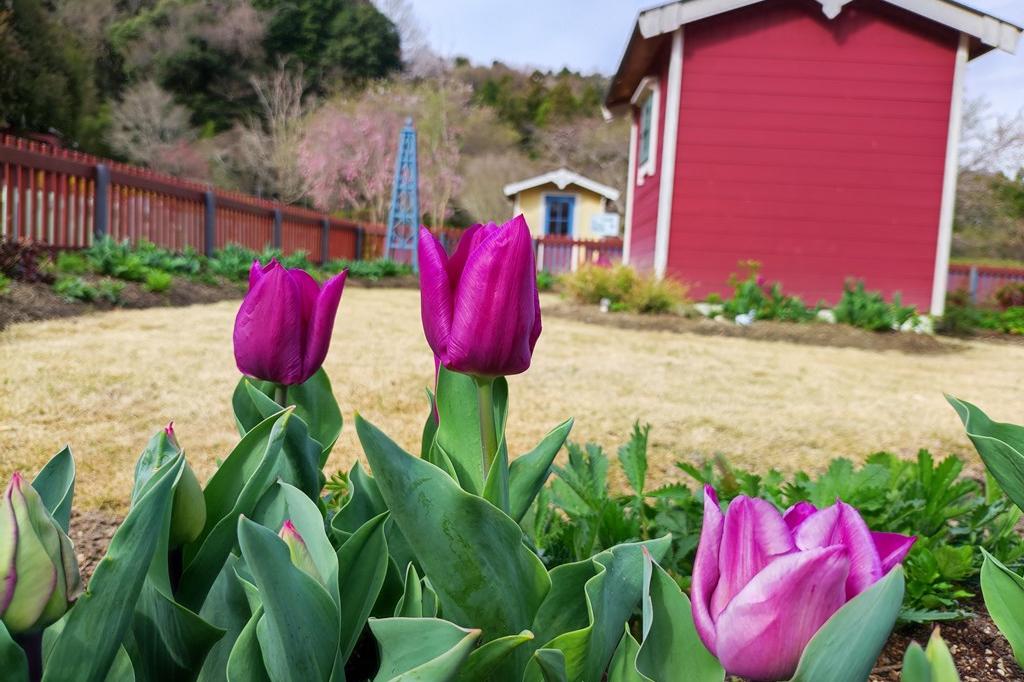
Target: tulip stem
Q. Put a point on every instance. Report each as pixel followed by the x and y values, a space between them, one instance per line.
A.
pixel 281 395
pixel 488 434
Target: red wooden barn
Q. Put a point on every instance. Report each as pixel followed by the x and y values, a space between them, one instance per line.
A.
pixel 818 137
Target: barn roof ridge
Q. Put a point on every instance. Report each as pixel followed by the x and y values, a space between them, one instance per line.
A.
pixel 562 178
pixel 988 31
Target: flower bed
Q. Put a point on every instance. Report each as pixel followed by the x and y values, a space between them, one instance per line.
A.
pixel 439 566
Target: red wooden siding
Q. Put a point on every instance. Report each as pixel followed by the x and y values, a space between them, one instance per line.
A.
pixel 645 196
pixel 814 146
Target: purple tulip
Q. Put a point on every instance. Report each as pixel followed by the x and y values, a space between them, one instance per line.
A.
pixel 764 582
pixel 283 328
pixel 481 312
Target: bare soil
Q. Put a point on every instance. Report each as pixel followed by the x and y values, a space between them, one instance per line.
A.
pixel 31 302
pixel 981 653
pixel 810 333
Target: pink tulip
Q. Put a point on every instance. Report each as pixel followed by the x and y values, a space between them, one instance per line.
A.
pixel 481 312
pixel 283 328
pixel 764 582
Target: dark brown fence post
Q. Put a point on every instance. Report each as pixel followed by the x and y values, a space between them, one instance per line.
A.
pixel 209 223
pixel 360 242
pixel 101 202
pixel 277 228
pixel 325 240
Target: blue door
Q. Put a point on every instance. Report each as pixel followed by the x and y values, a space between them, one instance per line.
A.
pixel 558 215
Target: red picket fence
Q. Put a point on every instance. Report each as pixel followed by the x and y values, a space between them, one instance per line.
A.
pixel 66 199
pixel 564 254
pixel 982 281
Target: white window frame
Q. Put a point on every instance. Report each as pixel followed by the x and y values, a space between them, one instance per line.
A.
pixel 647 90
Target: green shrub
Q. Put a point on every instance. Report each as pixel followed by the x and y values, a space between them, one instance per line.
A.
pixel 752 293
pixel 233 262
pixel 545 281
pixel 158 281
pixel 72 263
pixel 1009 321
pixel 961 317
pixel 381 268
pixel 650 295
pixel 5 284
pixel 188 262
pixel 72 288
pixel 116 259
pixel 869 310
pixel 110 291
pixel 625 289
pixel 1010 295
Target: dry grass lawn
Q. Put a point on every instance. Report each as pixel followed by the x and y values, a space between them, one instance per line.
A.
pixel 104 383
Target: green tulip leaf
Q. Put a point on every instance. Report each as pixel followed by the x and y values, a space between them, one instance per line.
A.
pixel 93 630
pixel 235 489
pixel 421 649
pixel 1001 447
pixel 362 565
pixel 916 667
pixel 1004 598
pixel 225 607
pixel 529 472
pixel 364 503
pixel 314 404
pixel 302 465
pixel 551 664
pixel 299 631
pixel 848 644
pixel 486 661
pixel 458 433
pixel 122 670
pixel 940 660
pixel 623 665
pixel 672 650
pixel 13 661
pixel 245 663
pixel 610 596
pixel 429 427
pixel 168 642
pixel 496 487
pixel 473 554
pixel 411 603
pixel 55 484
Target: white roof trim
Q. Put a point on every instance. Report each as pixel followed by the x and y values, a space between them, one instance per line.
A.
pixel 986 28
pixel 562 178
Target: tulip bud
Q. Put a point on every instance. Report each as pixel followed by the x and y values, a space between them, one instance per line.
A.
pixel 38 571
pixel 764 582
pixel 298 551
pixel 283 328
pixel 188 508
pixel 481 310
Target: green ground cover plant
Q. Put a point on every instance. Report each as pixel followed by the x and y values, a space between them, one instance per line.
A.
pixel 955 518
pixel 752 293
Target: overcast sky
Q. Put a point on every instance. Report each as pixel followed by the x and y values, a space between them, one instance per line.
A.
pixel 589 35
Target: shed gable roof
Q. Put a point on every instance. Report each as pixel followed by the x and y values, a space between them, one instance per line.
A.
pixel 562 178
pixel 654 24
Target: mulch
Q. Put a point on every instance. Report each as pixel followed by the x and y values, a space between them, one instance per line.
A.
pixel 811 333
pixel 32 302
pixel 981 653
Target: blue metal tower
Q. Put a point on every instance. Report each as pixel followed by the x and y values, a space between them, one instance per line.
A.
pixel 404 217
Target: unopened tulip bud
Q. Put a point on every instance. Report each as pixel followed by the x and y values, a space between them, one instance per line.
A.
pixel 298 551
pixel 188 509
pixel 38 571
